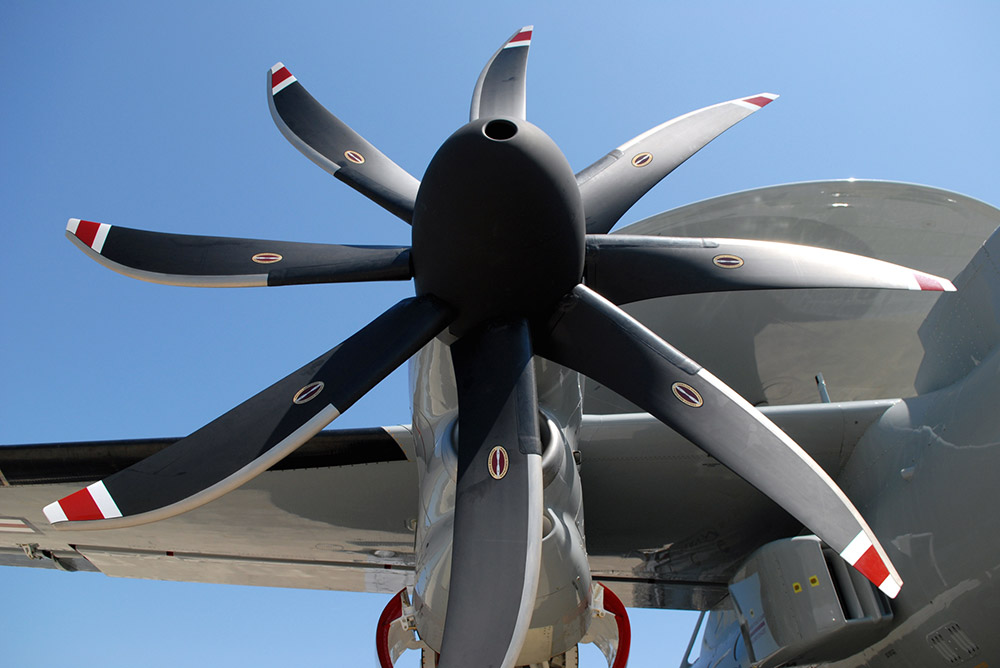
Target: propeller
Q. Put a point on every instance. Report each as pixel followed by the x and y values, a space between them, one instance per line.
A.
pixel 497 545
pixel 628 269
pixel 590 334
pixel 258 433
pixel 331 144
pixel 502 259
pixel 610 186
pixel 500 88
pixel 220 262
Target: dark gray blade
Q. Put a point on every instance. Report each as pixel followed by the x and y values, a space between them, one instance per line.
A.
pixel 596 338
pixel 222 262
pixel 251 437
pixel 500 88
pixel 496 550
pixel 331 144
pixel 84 461
pixel 627 269
pixel 614 183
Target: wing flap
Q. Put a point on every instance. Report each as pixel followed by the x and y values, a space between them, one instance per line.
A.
pixel 234 569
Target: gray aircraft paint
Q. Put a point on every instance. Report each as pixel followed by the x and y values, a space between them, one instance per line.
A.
pixel 917 474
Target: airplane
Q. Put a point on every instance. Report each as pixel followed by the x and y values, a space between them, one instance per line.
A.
pixel 483 312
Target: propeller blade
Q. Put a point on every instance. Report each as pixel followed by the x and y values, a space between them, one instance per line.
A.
pixel 331 144
pixel 614 183
pixel 500 88
pixel 497 544
pixel 222 262
pixel 627 269
pixel 593 336
pixel 250 438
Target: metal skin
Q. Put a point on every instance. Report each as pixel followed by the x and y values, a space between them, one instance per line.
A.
pixel 498 194
pixel 921 472
pixel 562 605
pixel 498 254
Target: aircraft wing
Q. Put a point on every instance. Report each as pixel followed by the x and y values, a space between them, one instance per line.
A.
pixel 335 514
pixel 666 524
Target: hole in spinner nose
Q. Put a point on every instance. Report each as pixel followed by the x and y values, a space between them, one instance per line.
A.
pixel 500 130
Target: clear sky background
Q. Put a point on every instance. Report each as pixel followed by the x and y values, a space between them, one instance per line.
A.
pixel 155 117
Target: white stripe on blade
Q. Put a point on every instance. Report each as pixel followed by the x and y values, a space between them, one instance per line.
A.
pixel 103 499
pixel 856 548
pixel 101 237
pixel 890 587
pixel 54 513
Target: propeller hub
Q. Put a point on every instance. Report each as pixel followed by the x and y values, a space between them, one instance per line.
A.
pixel 498 226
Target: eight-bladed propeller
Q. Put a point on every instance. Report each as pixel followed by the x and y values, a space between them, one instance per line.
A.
pixel 508 253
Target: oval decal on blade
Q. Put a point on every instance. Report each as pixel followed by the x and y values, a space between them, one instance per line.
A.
pixel 642 159
pixel 728 261
pixel 687 395
pixel 354 157
pixel 308 393
pixel 266 258
pixel 498 462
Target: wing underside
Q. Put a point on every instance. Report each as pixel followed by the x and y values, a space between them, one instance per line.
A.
pixel 338 513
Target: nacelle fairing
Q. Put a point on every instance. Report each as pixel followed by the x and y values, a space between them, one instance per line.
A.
pixel 564 583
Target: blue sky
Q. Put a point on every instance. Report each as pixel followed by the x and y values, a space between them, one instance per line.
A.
pixel 155 116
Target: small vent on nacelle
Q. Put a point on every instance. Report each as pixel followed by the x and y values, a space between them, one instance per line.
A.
pixel 859 598
pixel 952 643
pixel 798 600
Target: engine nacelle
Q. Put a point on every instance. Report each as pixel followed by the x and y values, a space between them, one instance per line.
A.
pixel 564 601
pixel 564 583
pixel 794 600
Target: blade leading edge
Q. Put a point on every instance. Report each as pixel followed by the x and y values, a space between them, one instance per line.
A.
pixel 223 262
pixel 497 544
pixel 593 336
pixel 627 268
pixel 334 146
pixel 614 183
pixel 250 438
pixel 500 90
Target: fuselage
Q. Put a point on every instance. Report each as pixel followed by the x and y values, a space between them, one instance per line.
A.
pixel 922 475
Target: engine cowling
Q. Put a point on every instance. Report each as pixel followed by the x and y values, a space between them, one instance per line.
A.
pixel 564 602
